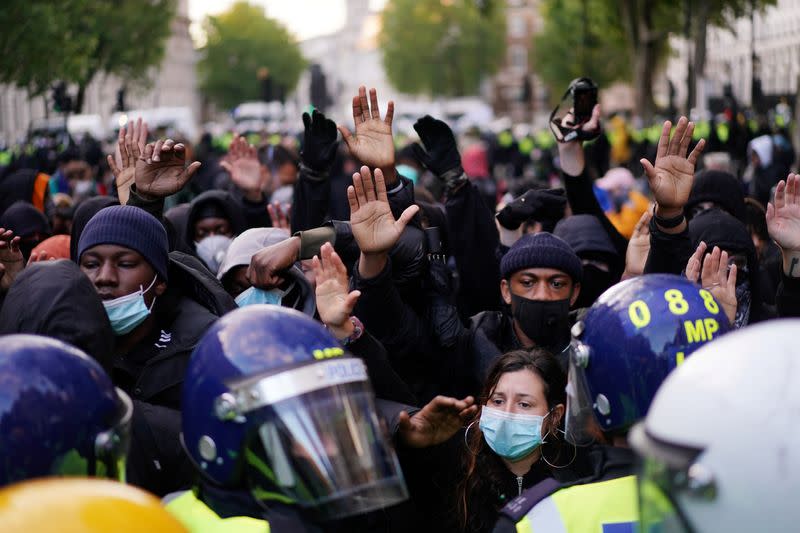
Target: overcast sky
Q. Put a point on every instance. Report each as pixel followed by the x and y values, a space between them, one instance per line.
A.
pixel 304 18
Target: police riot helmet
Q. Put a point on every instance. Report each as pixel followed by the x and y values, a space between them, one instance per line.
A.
pixel 60 415
pixel 718 447
pixel 635 334
pixel 273 404
pixel 76 505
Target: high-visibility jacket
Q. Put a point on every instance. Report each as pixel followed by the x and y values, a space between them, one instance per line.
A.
pixel 603 506
pixel 197 517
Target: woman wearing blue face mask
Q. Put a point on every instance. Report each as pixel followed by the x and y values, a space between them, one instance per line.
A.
pixel 514 441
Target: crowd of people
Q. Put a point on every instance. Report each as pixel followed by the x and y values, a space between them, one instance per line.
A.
pixel 361 337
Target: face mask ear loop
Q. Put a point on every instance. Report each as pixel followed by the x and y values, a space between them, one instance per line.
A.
pixel 153 303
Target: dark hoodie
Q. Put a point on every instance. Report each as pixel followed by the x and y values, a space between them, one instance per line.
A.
pixel 44 299
pixel 717 228
pixel 20 185
pixel 225 203
pixel 25 221
pixel 590 241
pixel 721 188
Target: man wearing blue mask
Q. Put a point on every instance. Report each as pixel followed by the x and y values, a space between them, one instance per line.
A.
pixel 124 252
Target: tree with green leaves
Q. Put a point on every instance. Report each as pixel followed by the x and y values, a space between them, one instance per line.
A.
pixel 441 48
pixel 75 40
pixel 579 38
pixel 243 47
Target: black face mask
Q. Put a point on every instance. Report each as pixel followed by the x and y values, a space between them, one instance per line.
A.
pixel 545 322
pixel 594 283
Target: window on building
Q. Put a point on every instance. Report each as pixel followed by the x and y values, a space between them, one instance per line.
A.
pixel 518 58
pixel 517 27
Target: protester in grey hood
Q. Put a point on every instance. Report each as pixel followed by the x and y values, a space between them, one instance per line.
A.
pixel 602 265
pixel 717 228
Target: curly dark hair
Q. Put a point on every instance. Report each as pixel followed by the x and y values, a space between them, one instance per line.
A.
pixel 483 467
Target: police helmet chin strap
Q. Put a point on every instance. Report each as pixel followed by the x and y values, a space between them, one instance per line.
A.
pixel 574 132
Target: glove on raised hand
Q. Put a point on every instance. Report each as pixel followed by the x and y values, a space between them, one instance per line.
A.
pixel 440 153
pixel 319 142
pixel 545 204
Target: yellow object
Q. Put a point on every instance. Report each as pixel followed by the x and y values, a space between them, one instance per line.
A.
pixel 620 141
pixel 199 518
pixel 584 508
pixel 81 505
pixel 625 220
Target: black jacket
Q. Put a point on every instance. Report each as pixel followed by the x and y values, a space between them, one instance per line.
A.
pixel 154 370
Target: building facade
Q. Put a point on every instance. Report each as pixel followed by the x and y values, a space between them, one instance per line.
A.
pixel 763 47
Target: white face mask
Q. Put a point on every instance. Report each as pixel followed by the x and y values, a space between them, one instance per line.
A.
pixel 127 312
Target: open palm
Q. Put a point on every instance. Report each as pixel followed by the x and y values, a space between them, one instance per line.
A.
pixel 335 302
pixel 673 174
pixel 161 171
pixel 372 143
pixel 243 165
pixel 783 215
pixel 371 220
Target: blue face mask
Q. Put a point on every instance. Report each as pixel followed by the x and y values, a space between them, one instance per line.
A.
pixel 253 296
pixel 409 172
pixel 127 312
pixel 510 435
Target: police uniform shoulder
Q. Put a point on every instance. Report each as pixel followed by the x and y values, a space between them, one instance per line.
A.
pixel 517 508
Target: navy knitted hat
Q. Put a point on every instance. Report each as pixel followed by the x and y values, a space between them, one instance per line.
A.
pixel 541 250
pixel 131 227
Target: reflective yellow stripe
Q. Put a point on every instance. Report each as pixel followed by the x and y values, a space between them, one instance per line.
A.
pixel 197 517
pixel 588 507
pixel 584 508
pixel 524 526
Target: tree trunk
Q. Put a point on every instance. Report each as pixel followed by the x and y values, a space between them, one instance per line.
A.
pixel 79 98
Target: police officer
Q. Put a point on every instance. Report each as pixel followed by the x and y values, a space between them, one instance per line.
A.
pixel 82 506
pixel 735 396
pixel 60 415
pixel 282 426
pixel 629 340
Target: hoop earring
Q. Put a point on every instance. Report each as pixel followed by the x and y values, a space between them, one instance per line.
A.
pixel 466 443
pixel 551 465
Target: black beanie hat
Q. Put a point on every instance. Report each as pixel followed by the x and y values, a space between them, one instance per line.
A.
pixel 719 187
pixel 131 227
pixel 24 219
pixel 541 250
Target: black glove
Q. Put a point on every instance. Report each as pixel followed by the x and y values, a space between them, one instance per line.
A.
pixel 319 142
pixel 544 204
pixel 440 154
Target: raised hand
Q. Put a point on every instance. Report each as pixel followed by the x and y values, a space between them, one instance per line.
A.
pixel 280 217
pixel 243 165
pixel 783 220
pixel 335 302
pixel 673 174
pixel 374 227
pixel 436 422
pixel 130 146
pixel 440 153
pixel 319 141
pixel 10 258
pixel 161 169
pixel 372 143
pixel 638 247
pixel 716 278
pixel 268 264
